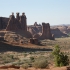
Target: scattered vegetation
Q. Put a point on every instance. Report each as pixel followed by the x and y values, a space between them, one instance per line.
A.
pixel 40 62
pixel 40 59
pixel 25 66
pixel 32 59
pixel 59 57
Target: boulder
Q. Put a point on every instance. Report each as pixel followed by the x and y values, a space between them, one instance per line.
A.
pixel 34 41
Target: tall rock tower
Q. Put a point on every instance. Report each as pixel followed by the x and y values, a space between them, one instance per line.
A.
pixel 18 23
pixel 23 22
pixel 17 16
pixel 11 23
pixel 46 32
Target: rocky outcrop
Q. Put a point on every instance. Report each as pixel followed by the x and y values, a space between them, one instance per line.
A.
pixel 35 24
pixel 23 22
pixel 31 30
pixel 34 30
pixel 34 41
pixel 57 33
pixel 3 22
pixel 41 32
pixel 46 32
pixel 12 25
pixel 36 35
pixel 18 23
pixel 14 37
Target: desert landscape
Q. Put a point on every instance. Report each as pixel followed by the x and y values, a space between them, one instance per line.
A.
pixel 30 47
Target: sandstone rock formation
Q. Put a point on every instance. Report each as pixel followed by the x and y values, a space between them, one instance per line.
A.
pixel 41 32
pixel 3 22
pixel 34 41
pixel 46 32
pixel 57 33
pixel 35 24
pixel 12 24
pixel 18 23
pixel 14 37
pixel 23 22
pixel 36 35
pixel 32 31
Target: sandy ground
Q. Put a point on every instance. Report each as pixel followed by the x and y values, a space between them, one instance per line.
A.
pixel 57 68
pixel 31 68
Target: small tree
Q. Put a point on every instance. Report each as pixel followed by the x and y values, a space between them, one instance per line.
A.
pixel 59 58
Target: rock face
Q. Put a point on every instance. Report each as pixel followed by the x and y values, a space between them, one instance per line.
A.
pixel 57 33
pixel 36 35
pixel 35 24
pixel 18 23
pixel 3 22
pixel 14 37
pixel 46 32
pixel 41 32
pixel 32 31
pixel 23 22
pixel 34 41
pixel 12 24
pixel 35 30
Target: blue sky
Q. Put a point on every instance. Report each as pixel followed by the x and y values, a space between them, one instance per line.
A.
pixel 53 11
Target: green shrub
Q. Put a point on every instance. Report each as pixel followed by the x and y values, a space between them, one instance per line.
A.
pixel 59 58
pixel 32 58
pixel 40 63
pixel 25 54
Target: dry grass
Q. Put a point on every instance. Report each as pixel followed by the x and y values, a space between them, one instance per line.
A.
pixel 28 58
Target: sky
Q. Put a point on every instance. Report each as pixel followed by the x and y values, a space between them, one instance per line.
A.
pixel 54 12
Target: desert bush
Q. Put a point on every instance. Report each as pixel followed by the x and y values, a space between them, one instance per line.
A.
pixel 59 58
pixel 31 58
pixel 11 56
pixel 25 54
pixel 40 63
pixel 25 66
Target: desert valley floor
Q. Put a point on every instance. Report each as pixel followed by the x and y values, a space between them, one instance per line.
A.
pixel 24 55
